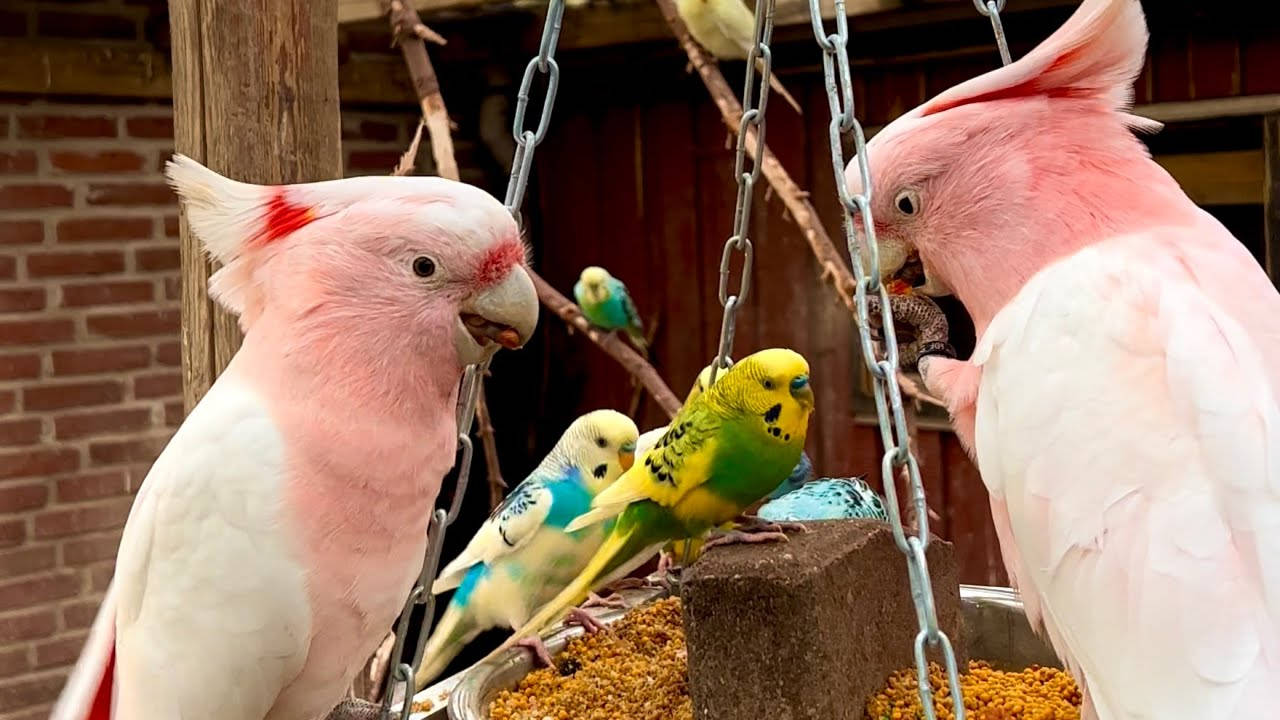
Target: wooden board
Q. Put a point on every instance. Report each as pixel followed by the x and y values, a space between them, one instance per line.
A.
pixel 1271 190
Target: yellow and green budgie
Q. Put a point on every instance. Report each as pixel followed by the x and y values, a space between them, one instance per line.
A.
pixel 725 450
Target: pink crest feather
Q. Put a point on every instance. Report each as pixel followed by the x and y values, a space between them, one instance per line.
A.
pixel 498 261
pixel 282 217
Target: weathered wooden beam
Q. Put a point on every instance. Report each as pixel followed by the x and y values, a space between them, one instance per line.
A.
pixel 256 99
pixel 1171 112
pixel 787 11
pixel 1271 193
pixel 1218 178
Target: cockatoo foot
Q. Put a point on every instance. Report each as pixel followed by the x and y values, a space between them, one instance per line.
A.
pixel 355 709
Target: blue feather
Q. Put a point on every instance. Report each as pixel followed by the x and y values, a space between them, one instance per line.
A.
pixel 826 499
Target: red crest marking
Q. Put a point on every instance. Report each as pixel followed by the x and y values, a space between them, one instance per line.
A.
pixel 283 217
pixel 498 261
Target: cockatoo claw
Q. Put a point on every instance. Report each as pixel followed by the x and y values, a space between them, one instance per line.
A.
pixel 355 709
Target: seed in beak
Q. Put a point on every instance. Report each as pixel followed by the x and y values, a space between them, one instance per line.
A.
pixel 483 330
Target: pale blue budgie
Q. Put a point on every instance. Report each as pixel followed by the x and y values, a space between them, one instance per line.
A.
pixel 826 499
pixel 522 557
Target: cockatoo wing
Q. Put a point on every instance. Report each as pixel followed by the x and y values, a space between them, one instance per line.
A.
pixel 1127 428
pixel 508 528
pixel 211 613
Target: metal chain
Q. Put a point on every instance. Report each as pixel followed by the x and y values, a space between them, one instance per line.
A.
pixel 473 376
pixel 888 397
pixel 992 9
pixel 753 115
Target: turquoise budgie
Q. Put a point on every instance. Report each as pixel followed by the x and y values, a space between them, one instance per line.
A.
pixel 607 304
pixel 522 556
pixel 826 499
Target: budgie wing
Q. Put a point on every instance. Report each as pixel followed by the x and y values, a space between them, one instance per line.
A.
pixel 508 528
pixel 211 613
pixel 633 315
pixel 677 463
pixel 1127 428
pixel 736 23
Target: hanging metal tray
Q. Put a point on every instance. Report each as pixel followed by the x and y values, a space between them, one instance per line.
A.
pixel 996 629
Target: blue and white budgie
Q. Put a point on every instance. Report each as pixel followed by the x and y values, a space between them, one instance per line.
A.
pixel 826 499
pixel 521 557
pixel 607 304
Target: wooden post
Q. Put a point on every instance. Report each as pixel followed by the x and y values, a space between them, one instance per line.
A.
pixel 255 95
pixel 1271 193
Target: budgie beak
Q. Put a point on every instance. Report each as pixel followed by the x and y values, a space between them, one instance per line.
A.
pixel 802 391
pixel 627 456
pixel 503 315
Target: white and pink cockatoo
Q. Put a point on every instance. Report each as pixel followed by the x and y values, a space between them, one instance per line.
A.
pixel 277 536
pixel 1121 403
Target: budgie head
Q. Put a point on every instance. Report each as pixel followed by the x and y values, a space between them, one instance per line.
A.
pixel 399 268
pixel 701 382
pixel 595 284
pixel 601 444
pixel 980 187
pixel 772 385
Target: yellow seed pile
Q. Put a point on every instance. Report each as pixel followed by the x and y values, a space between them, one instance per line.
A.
pixel 638 670
pixel 1036 693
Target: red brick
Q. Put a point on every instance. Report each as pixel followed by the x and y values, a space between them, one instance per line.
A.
pixel 171 226
pixel 35 332
pixel 68 427
pixel 85 551
pixel 84 394
pixel 95 360
pixel 28 691
pixel 110 483
pixel 8 401
pixel 100 576
pixel 19 367
pixel 130 194
pixel 27 560
pixel 107 293
pixel 23 431
pixel 23 497
pixel 374 130
pixel 8 267
pixel 169 353
pixel 66 126
pixel 136 324
pixel 106 161
pixel 14 162
pixel 27 626
pixel 21 232
pixel 21 299
pixel 103 229
pixel 106 515
pixel 78 615
pixel 153 259
pixel 62 651
pixel 12 532
pixel 14 661
pixel 382 160
pixel 59 264
pixel 172 288
pixel 126 451
pixel 34 196
pixel 150 126
pixel 38 462
pixel 84 26
pixel 150 386
pixel 37 590
pixel 173 414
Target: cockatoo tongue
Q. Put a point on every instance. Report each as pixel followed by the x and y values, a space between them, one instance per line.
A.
pixel 483 330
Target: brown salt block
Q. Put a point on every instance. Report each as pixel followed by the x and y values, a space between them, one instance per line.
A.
pixel 809 628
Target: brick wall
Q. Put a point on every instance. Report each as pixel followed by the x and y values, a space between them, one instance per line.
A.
pixel 90 384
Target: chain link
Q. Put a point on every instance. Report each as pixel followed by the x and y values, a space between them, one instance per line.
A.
pixel 473 376
pixel 753 114
pixel 992 9
pixel 888 397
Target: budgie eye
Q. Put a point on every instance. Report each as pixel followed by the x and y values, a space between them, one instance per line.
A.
pixel 768 384
pixel 600 442
pixel 907 202
pixel 424 266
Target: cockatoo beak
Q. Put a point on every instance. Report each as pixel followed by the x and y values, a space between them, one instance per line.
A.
pixel 902 269
pixel 501 316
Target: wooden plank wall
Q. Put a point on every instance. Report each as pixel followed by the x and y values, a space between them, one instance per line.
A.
pixel 636 176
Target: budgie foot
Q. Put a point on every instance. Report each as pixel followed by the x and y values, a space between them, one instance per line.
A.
pixel 355 709
pixel 614 600
pixel 666 563
pixel 537 647
pixel 578 616
pixel 754 530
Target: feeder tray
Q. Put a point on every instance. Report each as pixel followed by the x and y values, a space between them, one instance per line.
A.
pixel 996 629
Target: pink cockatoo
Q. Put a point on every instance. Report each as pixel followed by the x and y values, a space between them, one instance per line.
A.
pixel 1121 403
pixel 277 536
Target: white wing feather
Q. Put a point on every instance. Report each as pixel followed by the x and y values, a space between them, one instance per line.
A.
pixel 1129 426
pixel 507 529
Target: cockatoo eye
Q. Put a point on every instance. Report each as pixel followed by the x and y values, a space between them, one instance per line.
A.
pixel 907 202
pixel 424 266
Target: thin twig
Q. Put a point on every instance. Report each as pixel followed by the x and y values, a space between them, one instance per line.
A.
pixel 634 406
pixel 408 32
pixel 795 198
pixel 497 486
pixel 629 359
